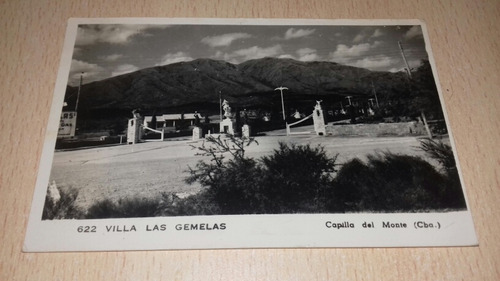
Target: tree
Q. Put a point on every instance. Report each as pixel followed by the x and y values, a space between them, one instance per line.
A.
pixel 233 183
pixel 387 183
pixel 297 178
pixel 424 94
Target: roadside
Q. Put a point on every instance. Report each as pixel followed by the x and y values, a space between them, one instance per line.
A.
pixel 147 169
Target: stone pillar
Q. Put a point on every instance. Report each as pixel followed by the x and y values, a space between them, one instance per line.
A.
pixel 134 134
pixel 319 121
pixel 226 127
pixel 197 133
pixel 245 131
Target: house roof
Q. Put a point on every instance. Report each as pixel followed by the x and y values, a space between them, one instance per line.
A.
pixel 171 117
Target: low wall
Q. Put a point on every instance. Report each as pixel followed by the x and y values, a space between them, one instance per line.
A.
pixel 377 130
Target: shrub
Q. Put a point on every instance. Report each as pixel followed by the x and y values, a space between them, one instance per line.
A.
pixel 441 152
pixel 300 179
pixel 350 189
pixel 124 208
pixel 63 206
pixel 296 178
pixel 193 205
pixel 232 185
pixel 390 183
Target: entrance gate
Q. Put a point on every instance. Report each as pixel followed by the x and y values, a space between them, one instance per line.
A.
pixel 318 120
pixel 288 131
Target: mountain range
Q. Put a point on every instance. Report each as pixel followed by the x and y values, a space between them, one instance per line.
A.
pixel 198 85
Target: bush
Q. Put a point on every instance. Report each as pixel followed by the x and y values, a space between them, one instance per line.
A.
pixel 441 152
pixel 232 185
pixel 294 179
pixel 124 208
pixel 390 183
pixel 297 178
pixel 62 205
pixel 194 205
pixel 350 189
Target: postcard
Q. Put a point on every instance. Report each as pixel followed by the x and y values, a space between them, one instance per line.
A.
pixel 247 133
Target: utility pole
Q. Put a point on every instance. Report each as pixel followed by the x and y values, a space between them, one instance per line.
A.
pixel 282 102
pixel 424 120
pixel 76 105
pixel 404 58
pixel 220 106
pixel 375 94
pixel 78 95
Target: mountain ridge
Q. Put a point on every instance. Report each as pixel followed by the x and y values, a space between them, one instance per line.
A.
pixel 202 80
pixel 198 85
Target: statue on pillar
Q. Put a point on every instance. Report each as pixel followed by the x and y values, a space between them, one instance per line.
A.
pixel 134 129
pixel 136 114
pixel 226 125
pixel 197 121
pixel 318 119
pixel 318 104
pixel 227 109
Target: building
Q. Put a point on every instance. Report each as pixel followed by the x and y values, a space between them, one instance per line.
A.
pixel 172 122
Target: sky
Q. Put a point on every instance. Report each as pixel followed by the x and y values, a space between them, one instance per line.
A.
pixel 107 50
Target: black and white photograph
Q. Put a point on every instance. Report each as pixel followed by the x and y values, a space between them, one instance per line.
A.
pixel 201 126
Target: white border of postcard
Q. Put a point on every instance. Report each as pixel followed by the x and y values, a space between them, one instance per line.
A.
pixel 234 231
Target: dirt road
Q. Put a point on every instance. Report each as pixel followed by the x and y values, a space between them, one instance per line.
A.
pixel 147 169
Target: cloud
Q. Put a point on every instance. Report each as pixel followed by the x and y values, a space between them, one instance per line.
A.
pixel 124 69
pixel 358 38
pixel 343 52
pixel 414 31
pixel 361 55
pixel 223 56
pixel 256 52
pixel 91 72
pixel 82 66
pixel 377 33
pixel 251 53
pixel 293 33
pixel 224 40
pixel 307 54
pixel 112 57
pixel 287 56
pixel 415 63
pixel 174 58
pixel 76 51
pixel 365 35
pixel 374 62
pixel 109 33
